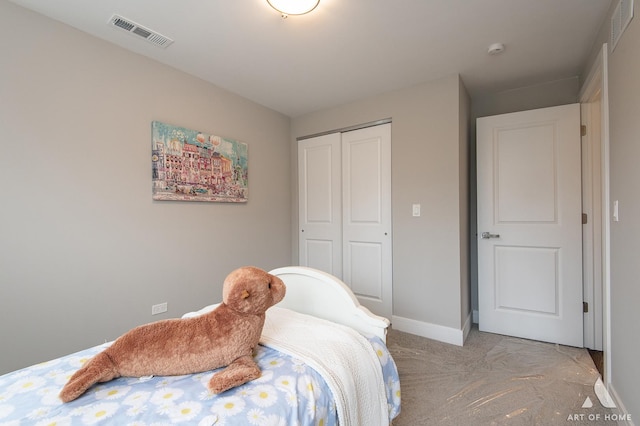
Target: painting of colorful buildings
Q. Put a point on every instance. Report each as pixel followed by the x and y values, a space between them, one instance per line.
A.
pixel 189 165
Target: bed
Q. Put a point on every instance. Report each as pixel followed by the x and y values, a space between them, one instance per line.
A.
pixel 323 359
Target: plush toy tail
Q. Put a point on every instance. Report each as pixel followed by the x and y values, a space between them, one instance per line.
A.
pixel 100 368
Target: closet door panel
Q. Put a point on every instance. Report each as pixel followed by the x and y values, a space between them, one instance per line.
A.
pixel 320 211
pixel 366 223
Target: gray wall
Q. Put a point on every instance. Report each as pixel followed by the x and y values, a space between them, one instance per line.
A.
pixel 429 145
pixel 464 195
pixel 624 133
pixel 624 104
pixel 84 251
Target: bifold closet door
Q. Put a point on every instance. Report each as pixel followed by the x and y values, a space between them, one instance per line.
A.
pixel 345 211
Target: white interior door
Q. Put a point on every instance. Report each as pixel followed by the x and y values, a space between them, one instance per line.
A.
pixel 366 185
pixel 320 203
pixel 529 225
pixel 345 211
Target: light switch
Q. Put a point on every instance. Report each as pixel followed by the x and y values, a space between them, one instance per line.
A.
pixel 616 216
pixel 416 210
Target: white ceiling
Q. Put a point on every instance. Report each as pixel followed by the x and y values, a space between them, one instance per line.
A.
pixel 350 49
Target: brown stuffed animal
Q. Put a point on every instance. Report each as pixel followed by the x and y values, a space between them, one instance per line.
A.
pixel 224 337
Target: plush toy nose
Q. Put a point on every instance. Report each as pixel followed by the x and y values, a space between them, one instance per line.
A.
pixel 278 289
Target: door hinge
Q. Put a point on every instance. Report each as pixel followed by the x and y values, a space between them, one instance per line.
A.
pixel 584 218
pixel 583 130
pixel 585 307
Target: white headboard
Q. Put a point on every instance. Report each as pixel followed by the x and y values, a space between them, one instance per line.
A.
pixel 317 293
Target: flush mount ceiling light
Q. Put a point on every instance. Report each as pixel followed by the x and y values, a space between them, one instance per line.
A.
pixel 293 7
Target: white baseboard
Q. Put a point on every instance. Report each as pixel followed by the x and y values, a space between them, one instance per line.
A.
pixel 476 317
pixel 433 331
pixel 624 417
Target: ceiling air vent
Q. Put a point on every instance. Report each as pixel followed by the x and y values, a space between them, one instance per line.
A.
pixel 140 31
pixel 619 20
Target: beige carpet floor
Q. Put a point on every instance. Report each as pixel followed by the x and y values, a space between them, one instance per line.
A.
pixel 495 380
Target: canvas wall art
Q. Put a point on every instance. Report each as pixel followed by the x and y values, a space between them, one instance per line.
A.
pixel 189 165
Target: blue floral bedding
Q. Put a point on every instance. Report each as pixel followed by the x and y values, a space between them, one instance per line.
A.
pixel 288 393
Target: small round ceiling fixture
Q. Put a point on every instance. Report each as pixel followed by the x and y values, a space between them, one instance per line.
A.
pixel 496 49
pixel 293 7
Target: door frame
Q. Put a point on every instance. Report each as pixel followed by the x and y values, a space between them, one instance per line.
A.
pixel 594 88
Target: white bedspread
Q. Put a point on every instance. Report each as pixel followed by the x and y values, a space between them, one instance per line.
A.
pixel 342 356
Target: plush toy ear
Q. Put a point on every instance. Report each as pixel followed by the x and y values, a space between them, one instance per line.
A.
pixel 244 294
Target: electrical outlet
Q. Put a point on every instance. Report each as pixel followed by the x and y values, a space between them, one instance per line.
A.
pixel 415 210
pixel 159 308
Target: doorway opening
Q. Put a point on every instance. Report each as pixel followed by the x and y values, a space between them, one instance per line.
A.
pixel 596 232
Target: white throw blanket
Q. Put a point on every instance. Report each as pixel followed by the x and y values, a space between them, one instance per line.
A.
pixel 342 356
